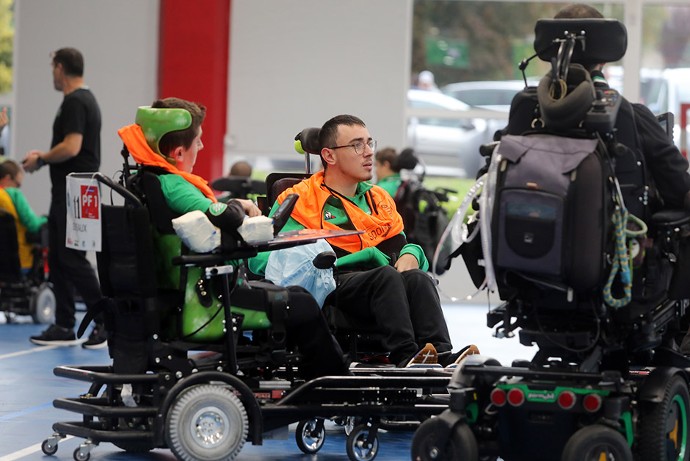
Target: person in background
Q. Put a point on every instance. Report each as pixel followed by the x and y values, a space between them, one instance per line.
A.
pixel 381 278
pixel 385 168
pixel 4 132
pixel 426 81
pixel 13 201
pixel 75 148
pixel 241 168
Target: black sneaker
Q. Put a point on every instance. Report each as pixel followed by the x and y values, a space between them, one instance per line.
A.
pixel 98 338
pixel 55 335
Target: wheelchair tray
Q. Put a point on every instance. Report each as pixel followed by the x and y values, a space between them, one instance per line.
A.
pixel 303 235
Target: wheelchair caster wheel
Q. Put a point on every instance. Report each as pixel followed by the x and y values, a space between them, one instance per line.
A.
pixel 362 443
pixel 83 451
pixel 50 446
pixel 81 454
pixel 310 435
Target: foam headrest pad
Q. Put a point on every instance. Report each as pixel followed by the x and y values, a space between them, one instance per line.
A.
pixel 307 141
pixel 407 160
pixel 157 122
pixel 568 111
pixel 606 40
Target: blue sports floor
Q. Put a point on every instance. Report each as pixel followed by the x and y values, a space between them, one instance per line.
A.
pixel 28 387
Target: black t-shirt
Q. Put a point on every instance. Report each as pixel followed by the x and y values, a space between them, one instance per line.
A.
pixel 78 113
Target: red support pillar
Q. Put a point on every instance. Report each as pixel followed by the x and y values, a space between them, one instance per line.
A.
pixel 193 65
pixel 684 107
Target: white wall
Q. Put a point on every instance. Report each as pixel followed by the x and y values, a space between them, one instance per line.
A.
pixel 298 64
pixel 119 40
pixel 293 64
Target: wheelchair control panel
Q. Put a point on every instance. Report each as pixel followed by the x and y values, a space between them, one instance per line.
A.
pixel 602 115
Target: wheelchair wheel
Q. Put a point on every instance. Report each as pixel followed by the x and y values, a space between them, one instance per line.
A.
pixel 206 422
pixel 596 442
pixel 357 447
pixel 461 444
pixel 663 426
pixel 310 435
pixel 43 305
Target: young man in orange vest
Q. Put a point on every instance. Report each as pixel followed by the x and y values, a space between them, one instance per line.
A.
pixel 381 276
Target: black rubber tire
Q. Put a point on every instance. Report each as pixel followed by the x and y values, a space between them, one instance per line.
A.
pixel 664 425
pixel 590 442
pixel 354 448
pixel 78 455
pixel 310 437
pixel 43 305
pixel 206 422
pixel 48 449
pixel 461 444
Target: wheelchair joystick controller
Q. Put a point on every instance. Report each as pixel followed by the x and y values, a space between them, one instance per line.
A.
pixel 601 117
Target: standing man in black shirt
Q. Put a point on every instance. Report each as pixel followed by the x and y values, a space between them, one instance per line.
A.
pixel 75 147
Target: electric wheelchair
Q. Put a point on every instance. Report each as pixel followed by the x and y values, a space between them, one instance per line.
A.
pixel 24 293
pixel 605 308
pixel 194 372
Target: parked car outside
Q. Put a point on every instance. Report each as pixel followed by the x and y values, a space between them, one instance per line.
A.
pixel 666 94
pixel 441 138
pixel 492 95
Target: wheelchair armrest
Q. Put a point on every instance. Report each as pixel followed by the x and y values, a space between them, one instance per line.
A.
pixel 40 237
pixel 670 218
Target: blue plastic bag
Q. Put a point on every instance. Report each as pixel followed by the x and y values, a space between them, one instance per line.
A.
pixel 294 266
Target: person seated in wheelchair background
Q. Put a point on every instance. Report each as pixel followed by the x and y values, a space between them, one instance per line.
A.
pixel 175 151
pixel 637 128
pixel 13 201
pixel 381 278
pixel 387 171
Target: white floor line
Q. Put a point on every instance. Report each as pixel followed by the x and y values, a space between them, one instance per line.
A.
pixel 28 450
pixel 25 352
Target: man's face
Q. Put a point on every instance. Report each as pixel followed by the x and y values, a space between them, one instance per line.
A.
pixel 58 75
pixel 356 165
pixel 187 157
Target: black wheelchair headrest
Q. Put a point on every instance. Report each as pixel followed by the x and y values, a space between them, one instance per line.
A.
pixel 603 40
pixel 564 104
pixel 407 160
pixel 307 141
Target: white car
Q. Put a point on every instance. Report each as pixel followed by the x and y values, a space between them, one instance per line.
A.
pixel 492 95
pixel 440 137
pixel 666 94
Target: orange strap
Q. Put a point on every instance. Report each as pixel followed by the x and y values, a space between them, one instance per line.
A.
pixel 133 137
pixel 383 222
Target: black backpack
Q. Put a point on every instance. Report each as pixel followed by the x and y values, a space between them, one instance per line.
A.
pixel 552 201
pixel 423 215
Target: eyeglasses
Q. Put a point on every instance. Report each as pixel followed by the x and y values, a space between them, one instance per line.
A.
pixel 359 146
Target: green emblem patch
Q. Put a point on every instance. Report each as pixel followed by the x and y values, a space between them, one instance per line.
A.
pixel 217 209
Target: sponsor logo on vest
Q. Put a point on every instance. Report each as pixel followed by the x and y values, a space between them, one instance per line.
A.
pixel 378 232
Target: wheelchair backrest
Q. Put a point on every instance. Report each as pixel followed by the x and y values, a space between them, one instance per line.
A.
pixel 195 298
pixel 10 269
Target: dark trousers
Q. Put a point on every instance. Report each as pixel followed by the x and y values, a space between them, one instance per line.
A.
pixel 404 305
pixel 69 270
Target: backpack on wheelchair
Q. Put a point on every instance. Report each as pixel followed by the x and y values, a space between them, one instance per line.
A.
pixel 585 273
